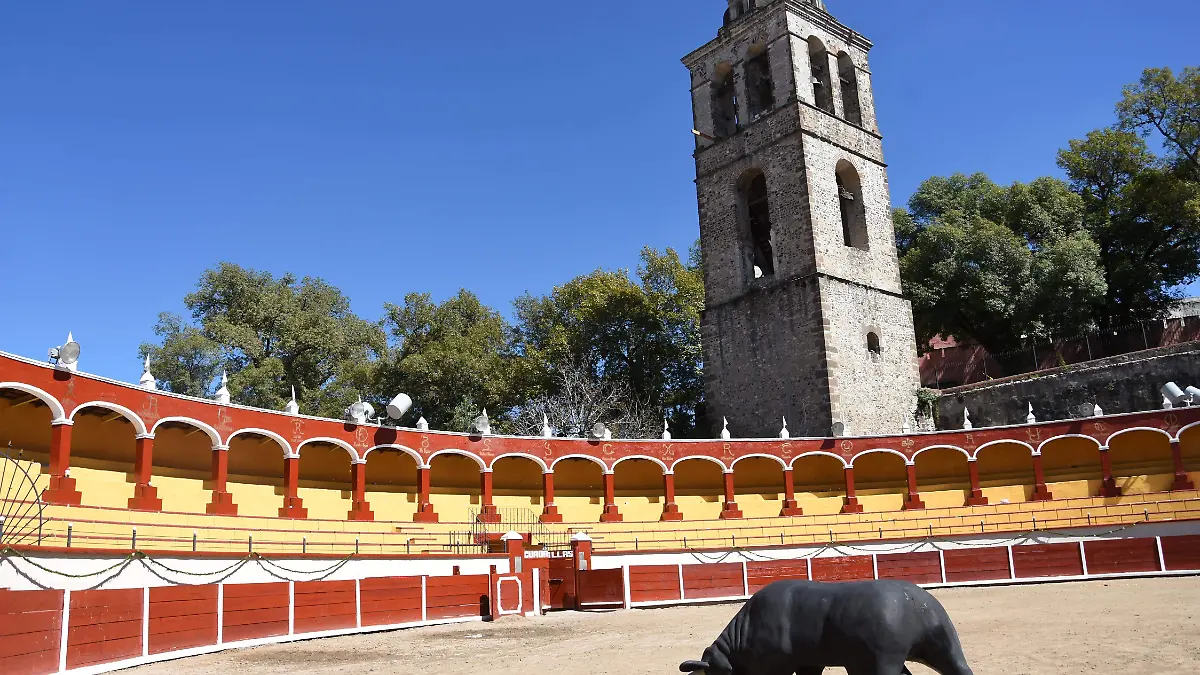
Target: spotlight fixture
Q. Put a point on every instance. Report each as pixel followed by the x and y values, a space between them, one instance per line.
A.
pixel 67 355
pixel 398 406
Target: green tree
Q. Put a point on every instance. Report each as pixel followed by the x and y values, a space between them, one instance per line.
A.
pixel 1169 106
pixel 991 264
pixel 642 334
pixel 453 358
pixel 272 334
pixel 186 361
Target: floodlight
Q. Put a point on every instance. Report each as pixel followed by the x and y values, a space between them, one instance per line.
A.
pixel 1087 409
pixel 398 406
pixel 839 429
pixel 66 355
pixel 481 425
pixel 1174 394
pixel 1193 394
pixel 360 412
pixel 599 430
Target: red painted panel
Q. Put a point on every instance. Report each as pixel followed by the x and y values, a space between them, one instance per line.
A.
pixel 848 568
pixel 1121 556
pixel 722 580
pixel 601 587
pixel 762 573
pixel 460 596
pixel 30 628
pixel 919 568
pixel 324 605
pixel 390 600
pixel 508 594
pixel 1181 553
pixel 977 564
pixel 105 626
pixel 653 582
pixel 1047 560
pixel 560 583
pixel 255 611
pixel 182 617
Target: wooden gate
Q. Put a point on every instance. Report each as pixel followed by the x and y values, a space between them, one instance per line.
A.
pixel 560 578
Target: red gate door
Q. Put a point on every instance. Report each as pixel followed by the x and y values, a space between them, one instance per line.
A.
pixel 561 577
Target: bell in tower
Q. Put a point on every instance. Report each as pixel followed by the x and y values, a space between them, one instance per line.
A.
pixel 804 316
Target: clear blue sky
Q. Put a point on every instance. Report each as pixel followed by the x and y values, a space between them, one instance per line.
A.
pixel 392 147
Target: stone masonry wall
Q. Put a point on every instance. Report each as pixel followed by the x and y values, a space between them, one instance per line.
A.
pixel 1121 384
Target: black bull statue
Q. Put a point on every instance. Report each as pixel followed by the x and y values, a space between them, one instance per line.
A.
pixel 869 628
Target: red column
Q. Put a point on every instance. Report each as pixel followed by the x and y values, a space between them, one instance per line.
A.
pixel 730 510
pixel 851 505
pixel 913 502
pixel 671 510
pixel 550 512
pixel 976 497
pixel 425 512
pixel 790 507
pixel 1182 482
pixel 358 490
pixel 611 514
pixel 293 506
pixel 145 495
pixel 581 548
pixel 222 501
pixel 1041 493
pixel 62 486
pixel 487 510
pixel 1108 486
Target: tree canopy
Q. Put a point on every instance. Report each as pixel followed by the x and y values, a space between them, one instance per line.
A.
pixel 1106 248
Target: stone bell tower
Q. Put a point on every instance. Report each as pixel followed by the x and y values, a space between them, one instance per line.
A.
pixel 804 317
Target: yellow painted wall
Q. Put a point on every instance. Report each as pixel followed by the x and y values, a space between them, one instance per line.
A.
pixel 182 468
pixel 1189 446
pixel 758 484
pixel 255 499
pixel 881 481
pixel 1006 472
pixel 325 481
pixel 579 490
pixel 256 475
pixel 699 489
pixel 392 485
pixel 454 487
pixel 25 425
pixel 1071 459
pixel 517 484
pixel 1142 462
pixel 943 478
pixel 102 487
pixel 639 490
pixel 820 483
pixel 392 506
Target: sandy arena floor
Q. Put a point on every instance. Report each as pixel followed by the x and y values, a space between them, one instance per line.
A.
pixel 1139 627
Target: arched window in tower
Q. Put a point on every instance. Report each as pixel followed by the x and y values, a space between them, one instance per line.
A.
pixel 873 343
pixel 821 82
pixel 724 103
pixel 849 77
pixel 760 88
pixel 854 212
pixel 758 222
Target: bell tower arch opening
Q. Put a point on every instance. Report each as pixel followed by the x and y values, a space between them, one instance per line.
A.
pixel 756 217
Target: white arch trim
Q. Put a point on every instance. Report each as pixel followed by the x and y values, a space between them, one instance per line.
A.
pixel 392 446
pixel 1133 429
pixel 452 451
pixel 884 451
pixel 522 455
pixel 1179 434
pixel 283 445
pixel 212 433
pixel 942 447
pixel 818 453
pixel 332 441
pixel 56 408
pixel 714 460
pixel 138 425
pixel 589 458
pixel 662 465
pixel 760 456
pixel 1046 442
pixel 1032 451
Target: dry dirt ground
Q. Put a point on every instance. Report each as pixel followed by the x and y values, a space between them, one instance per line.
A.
pixel 1139 627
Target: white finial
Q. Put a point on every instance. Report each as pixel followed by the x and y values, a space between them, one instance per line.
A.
pixel 784 433
pixel 607 434
pixel 666 430
pixel 69 338
pixel 906 428
pixel 1031 418
pixel 422 424
pixel 967 419
pixel 147 381
pixel 1167 405
pixel 1098 412
pixel 547 432
pixel 725 428
pixel 758 273
pixel 222 395
pixel 292 407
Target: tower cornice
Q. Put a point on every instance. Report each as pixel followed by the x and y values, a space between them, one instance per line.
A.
pixel 753 24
